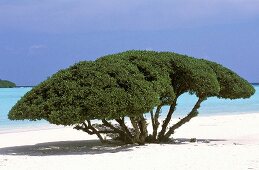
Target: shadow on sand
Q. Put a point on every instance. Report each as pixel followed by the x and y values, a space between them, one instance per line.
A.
pixel 82 147
pixel 65 148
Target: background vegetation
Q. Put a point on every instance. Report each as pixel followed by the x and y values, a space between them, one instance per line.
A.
pixel 6 84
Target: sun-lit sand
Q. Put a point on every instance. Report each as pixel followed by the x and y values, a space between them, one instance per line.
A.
pixel 223 142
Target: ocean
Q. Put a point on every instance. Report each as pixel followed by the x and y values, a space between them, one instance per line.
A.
pixel 212 106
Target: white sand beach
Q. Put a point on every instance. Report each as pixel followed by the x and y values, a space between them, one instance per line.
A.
pixel 223 142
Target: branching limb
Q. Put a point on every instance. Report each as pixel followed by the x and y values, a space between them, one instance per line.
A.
pixel 111 126
pixel 95 131
pixel 186 119
pixel 84 128
pixel 155 122
pixel 119 131
pixel 125 129
pixel 152 118
pixel 140 129
pixel 135 127
pixel 167 119
pixel 143 129
pixel 88 128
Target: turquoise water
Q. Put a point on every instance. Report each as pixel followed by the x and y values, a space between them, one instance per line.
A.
pixel 213 106
pixel 8 98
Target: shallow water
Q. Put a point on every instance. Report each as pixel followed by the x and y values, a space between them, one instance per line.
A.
pixel 8 98
pixel 212 106
pixel 215 106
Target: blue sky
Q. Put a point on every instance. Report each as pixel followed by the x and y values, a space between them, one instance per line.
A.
pixel 39 37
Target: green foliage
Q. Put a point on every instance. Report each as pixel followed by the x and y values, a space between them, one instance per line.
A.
pixel 6 84
pixel 88 90
pixel 127 84
pixel 232 86
pixel 152 66
pixel 192 75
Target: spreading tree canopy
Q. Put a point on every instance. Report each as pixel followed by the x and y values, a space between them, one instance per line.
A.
pixel 110 96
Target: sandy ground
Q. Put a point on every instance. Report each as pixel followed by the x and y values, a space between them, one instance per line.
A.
pixel 224 142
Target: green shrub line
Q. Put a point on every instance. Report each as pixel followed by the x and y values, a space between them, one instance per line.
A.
pixel 6 84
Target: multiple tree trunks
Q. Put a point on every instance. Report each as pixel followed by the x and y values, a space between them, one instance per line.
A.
pixel 138 132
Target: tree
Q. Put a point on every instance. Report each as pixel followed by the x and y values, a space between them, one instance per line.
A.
pixel 6 84
pixel 111 95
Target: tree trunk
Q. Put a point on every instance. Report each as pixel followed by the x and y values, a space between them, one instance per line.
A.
pixel 155 122
pixel 88 128
pixel 95 131
pixel 128 135
pixel 122 135
pixel 186 119
pixel 143 130
pixel 167 119
pixel 140 129
pixel 136 128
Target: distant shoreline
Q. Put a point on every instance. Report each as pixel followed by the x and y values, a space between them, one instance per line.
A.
pixel 24 86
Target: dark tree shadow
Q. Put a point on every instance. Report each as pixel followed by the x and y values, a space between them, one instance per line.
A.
pixel 82 147
pixel 65 148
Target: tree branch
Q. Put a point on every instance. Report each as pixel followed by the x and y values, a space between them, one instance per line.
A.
pixel 111 126
pixel 125 128
pixel 143 129
pixel 155 122
pixel 88 128
pixel 186 119
pixel 152 119
pixel 167 119
pixel 84 128
pixel 95 131
pixel 135 127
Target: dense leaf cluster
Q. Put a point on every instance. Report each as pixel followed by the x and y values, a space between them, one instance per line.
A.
pixel 128 84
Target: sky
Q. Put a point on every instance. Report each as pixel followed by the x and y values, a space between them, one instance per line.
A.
pixel 40 37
